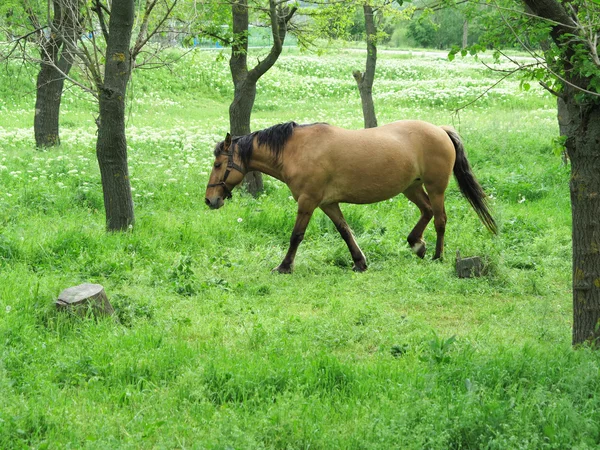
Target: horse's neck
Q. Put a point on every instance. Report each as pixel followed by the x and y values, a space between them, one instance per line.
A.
pixel 263 161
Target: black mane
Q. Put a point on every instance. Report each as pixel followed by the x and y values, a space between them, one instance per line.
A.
pixel 274 137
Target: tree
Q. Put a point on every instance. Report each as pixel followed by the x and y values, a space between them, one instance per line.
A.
pixel 339 20
pixel 55 29
pixel 562 39
pixel 111 90
pixel 111 146
pixel 105 56
pixel 56 62
pixel 229 24
pixel 365 79
pixel 441 27
pixel 244 79
pixel 574 62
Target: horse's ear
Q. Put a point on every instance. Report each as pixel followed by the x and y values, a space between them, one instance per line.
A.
pixel 227 141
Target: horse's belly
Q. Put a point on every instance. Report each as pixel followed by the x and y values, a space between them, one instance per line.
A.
pixel 363 190
pixel 370 177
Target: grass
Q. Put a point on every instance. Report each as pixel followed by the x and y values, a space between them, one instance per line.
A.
pixel 211 350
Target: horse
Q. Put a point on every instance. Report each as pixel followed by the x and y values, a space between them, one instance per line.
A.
pixel 324 165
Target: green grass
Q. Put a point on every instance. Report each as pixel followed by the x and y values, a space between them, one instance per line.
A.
pixel 212 350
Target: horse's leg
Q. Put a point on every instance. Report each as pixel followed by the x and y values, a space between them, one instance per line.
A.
pixel 334 212
pixel 306 208
pixel 439 219
pixel 419 197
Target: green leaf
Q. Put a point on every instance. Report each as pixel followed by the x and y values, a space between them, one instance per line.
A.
pixel 453 51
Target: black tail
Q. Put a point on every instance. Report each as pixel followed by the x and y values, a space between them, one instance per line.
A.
pixel 468 184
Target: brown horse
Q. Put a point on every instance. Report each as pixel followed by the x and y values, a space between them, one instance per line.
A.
pixel 324 165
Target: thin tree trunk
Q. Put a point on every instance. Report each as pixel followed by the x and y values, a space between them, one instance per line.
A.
pixel 365 80
pixel 56 62
pixel 465 35
pixel 581 125
pixel 240 109
pixel 50 84
pixel 111 147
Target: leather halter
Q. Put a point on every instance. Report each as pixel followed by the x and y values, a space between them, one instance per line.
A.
pixel 230 165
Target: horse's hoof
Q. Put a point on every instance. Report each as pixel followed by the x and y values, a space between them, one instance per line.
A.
pixel 282 269
pixel 360 267
pixel 419 248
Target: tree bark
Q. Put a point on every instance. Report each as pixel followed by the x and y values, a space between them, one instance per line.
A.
pixel 465 34
pixel 365 80
pixel 50 84
pixel 56 62
pixel 244 80
pixel 111 147
pixel 240 111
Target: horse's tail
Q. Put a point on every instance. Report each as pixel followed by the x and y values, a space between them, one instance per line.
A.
pixel 468 184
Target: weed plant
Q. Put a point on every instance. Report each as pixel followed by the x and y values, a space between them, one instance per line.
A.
pixel 209 349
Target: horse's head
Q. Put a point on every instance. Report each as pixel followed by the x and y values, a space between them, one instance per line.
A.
pixel 225 174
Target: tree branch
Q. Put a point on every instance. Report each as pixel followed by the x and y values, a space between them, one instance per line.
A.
pixel 144 36
pixel 278 31
pixel 99 9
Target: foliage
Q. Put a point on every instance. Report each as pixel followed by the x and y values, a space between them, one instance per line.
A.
pixel 339 20
pixel 574 56
pixel 334 20
pixel 423 32
pixel 405 355
pixel 14 18
pixel 443 28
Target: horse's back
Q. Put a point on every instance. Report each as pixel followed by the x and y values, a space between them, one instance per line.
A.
pixel 370 165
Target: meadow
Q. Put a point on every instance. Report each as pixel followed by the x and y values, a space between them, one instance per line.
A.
pixel 209 349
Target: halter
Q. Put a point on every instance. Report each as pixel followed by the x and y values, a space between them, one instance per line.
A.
pixel 230 165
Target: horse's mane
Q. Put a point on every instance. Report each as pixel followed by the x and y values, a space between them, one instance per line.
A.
pixel 274 137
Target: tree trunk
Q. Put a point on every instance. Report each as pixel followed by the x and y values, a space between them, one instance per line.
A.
pixel 50 83
pixel 47 109
pixel 85 298
pixel 240 111
pixel 111 147
pixel 581 124
pixel 365 80
pixel 56 62
pixel 465 35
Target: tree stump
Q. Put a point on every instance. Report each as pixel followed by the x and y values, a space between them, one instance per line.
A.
pixel 468 267
pixel 80 299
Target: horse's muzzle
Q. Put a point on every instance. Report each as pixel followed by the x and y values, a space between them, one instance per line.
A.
pixel 214 203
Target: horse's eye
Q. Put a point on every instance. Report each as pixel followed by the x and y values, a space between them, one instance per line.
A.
pixel 217 165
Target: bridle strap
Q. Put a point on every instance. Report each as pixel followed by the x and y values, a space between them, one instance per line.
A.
pixel 230 165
